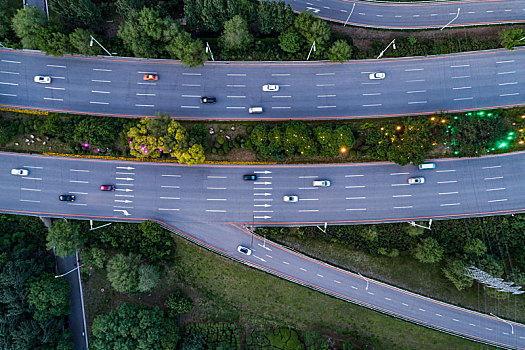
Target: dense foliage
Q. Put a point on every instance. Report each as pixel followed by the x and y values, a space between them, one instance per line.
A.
pixel 66 237
pixel 178 303
pixel 127 274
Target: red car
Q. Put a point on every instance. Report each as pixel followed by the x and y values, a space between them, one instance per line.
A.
pixel 150 77
pixel 107 188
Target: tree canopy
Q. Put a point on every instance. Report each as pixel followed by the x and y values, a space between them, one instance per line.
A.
pixel 66 237
pixel 49 296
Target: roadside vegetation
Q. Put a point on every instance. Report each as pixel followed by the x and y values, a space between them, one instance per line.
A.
pixel 400 140
pixel 233 29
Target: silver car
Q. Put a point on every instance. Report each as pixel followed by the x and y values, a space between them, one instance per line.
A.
pixel 243 250
pixel 416 180
pixel 377 76
pixel 290 198
pixel 20 172
pixel 42 79
pixel 270 87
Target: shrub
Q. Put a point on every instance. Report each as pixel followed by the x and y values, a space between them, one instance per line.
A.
pixel 178 303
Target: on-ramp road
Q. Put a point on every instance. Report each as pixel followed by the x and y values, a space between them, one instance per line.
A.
pixel 308 90
pixel 414 15
pixel 210 205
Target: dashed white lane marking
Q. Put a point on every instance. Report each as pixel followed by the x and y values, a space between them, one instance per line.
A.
pixel 53 99
pixel 13 84
pixel 175 198
pixel 399 185
pixel 489 11
pixel 442 193
pixel 415 81
pixel 193 96
pixel 31 189
pixel 357 186
pixel 462 88
pixel 269 256
pixel 433 14
pixel 137 105
pixel 235 74
pixel 415 15
pixel 463 98
pixel 416 91
pixel 102 70
pixel 447 182
pixel 33 167
pixel 355 209
pixel 12 95
pixel 373 105
pixel 350 198
pixel 216 177
pixel 502 73
pixel 318 275
pixel 460 65
pixel 322 85
pixel 308 199
pixel 417 102
pixel 495 189
pixel 509 61
pixel 372 94
pixel 472 324
pixel 471 12
pixel 100 92
pixel 325 74
pixel 285 262
pixel 302 269
pixel 198 74
pixel 413 69
pixel 388 299
pixel 55 66
pixel 439 315
pixel 147 72
pixel 370 293
pixel 498 200
pixel 493 178
pixel 6 72
pixel 79 182
pixel 117 195
pixel 461 77
pixel 80 170
pixel 190 107
pixel 7 61
pixel 491 167
pixel 404 304
pixel 85 204
pixel 215 199
pixel 455 320
pixel 513 94
pixel 236 96
pixel 490 329
pixel 511 83
pixel 308 211
pixel 280 74
pixel 99 103
pixel 446 171
pixel 235 107
pixel 401 195
pixel 215 211
pixel 336 281
pixel 399 173
pixel 357 175
pixel 29 200
pixel 54 88
pixel 505 333
pixel 191 85
pixel 281 96
pixel 168 186
pixel 170 209
pixel 100 81
pixel 234 85
pixel 353 287
pixel 448 204
pixel 507 10
pixel 326 95
pixel 79 192
pixel 421 310
pixel 308 177
pixel 405 207
pixel 326 106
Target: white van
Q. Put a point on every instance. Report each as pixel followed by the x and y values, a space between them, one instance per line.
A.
pixel 253 110
pixel 321 183
pixel 427 166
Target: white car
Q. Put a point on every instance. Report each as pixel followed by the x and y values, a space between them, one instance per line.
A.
pixel 42 79
pixel 416 180
pixel 321 183
pixel 271 87
pixel 20 172
pixel 290 198
pixel 243 250
pixel 377 76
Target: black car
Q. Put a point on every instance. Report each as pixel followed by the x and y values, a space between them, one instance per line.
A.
pixel 206 99
pixel 249 177
pixel 67 198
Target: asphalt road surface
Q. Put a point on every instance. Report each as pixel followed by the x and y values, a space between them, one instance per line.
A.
pixel 308 90
pixel 211 205
pixel 414 15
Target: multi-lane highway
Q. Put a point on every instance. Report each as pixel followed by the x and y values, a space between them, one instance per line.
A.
pixel 210 205
pixel 308 90
pixel 414 15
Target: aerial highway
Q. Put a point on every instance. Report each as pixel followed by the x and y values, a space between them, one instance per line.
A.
pixel 213 206
pixel 414 15
pixel 115 86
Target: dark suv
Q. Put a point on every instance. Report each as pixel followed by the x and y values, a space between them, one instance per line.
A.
pixel 67 198
pixel 249 177
pixel 207 99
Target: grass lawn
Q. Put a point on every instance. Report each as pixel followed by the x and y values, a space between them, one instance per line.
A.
pixel 406 272
pixel 225 291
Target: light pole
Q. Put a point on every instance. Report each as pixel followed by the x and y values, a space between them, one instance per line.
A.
pixel 208 49
pixel 453 19
pixel 309 53
pixel 393 42
pixel 413 223
pixel 365 280
pixel 91 225
pixel 349 15
pixel 507 322
pixel 99 44
pixel 62 275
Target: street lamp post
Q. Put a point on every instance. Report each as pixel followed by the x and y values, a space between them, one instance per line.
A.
pixel 352 11
pixel 208 49
pixel 393 42
pixel 507 322
pixel 452 20
pixel 75 268
pixel 309 53
pixel 413 223
pixel 91 225
pixel 365 280
pixel 99 44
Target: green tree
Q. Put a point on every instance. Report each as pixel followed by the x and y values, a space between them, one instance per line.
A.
pixel 236 36
pixel 511 38
pixel 126 8
pixel 149 277
pixel 178 303
pixel 94 256
pixel 123 272
pixel 155 242
pixel 66 237
pixel 6 15
pixel 476 247
pixel 97 132
pixel 27 23
pixel 340 51
pixel 130 326
pixel 49 296
pixel 274 16
pixel 193 341
pixel 428 251
pixel 454 271
pixel 52 125
pixel 53 42
pixel 290 41
pixel 284 16
pixel 77 13
pixel 80 40
pixel 312 29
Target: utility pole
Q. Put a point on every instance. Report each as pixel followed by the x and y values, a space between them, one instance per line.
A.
pixel 99 44
pixel 507 322
pixel 91 225
pixel 349 15
pixel 312 48
pixel 208 49
pixel 393 42
pixel 67 273
pixel 453 19
pixel 365 280
pixel 413 223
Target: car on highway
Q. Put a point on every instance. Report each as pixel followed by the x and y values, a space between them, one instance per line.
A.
pixel 377 76
pixel 20 172
pixel 150 77
pixel 427 166
pixel 107 188
pixel 208 99
pixel 67 198
pixel 416 180
pixel 321 183
pixel 42 79
pixel 270 87
pixel 249 177
pixel 255 110
pixel 243 250
pixel 290 198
